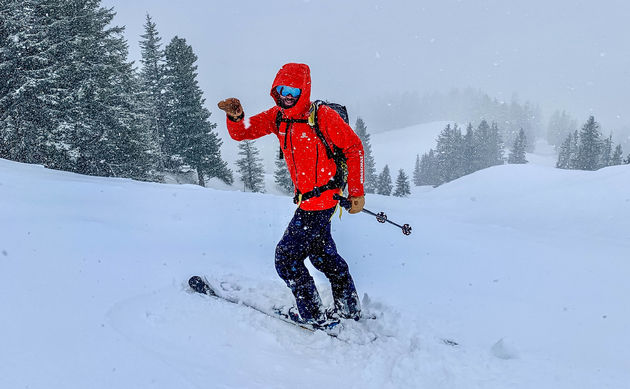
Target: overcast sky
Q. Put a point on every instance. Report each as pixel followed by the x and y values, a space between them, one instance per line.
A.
pixel 567 54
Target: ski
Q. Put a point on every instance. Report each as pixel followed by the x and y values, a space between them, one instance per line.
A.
pixel 202 286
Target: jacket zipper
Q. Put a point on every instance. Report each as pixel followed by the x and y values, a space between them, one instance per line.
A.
pixel 289 127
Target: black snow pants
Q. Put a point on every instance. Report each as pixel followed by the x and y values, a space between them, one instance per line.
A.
pixel 308 235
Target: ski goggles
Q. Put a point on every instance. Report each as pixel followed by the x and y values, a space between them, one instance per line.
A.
pixel 288 90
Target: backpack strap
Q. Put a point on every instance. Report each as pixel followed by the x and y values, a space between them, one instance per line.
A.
pixel 314 123
pixel 338 181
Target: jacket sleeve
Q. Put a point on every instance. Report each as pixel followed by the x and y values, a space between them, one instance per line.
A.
pixel 254 127
pixel 342 135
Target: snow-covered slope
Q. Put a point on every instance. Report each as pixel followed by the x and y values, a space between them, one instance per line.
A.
pixel 398 148
pixel 526 267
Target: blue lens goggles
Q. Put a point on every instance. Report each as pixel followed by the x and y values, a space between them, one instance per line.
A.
pixel 287 90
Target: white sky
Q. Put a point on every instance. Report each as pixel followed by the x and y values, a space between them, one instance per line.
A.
pixel 567 54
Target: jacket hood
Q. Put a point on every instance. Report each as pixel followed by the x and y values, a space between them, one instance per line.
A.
pixel 296 75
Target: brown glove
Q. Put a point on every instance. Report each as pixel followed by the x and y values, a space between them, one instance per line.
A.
pixel 232 108
pixel 357 204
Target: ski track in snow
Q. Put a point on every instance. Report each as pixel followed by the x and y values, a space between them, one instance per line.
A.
pixel 173 322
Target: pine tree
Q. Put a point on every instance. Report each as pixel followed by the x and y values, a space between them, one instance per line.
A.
pixel 100 109
pixel 417 172
pixel 431 168
pixel 402 185
pixel 606 152
pixel 28 103
pixel 369 164
pixel 481 146
pixel 495 146
pixel 517 153
pixel 448 153
pixel 468 151
pixel 76 108
pixel 564 155
pixel 190 138
pixel 429 174
pixel 590 146
pixel 574 148
pixel 153 82
pixel 250 167
pixel 282 177
pixel 617 156
pixel 384 186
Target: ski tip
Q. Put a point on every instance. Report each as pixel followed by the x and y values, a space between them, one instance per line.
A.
pixel 197 284
pixel 195 279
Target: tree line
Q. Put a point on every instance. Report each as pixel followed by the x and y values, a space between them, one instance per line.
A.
pixel 462 106
pixel 71 100
pixel 458 154
pixel 587 149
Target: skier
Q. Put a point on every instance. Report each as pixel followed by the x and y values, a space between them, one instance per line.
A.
pixel 308 233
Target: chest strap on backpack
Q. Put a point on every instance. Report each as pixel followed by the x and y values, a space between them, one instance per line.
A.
pixel 280 119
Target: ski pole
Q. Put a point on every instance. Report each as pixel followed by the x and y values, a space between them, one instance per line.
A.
pixel 381 217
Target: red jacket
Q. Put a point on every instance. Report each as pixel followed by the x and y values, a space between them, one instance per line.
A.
pixel 304 152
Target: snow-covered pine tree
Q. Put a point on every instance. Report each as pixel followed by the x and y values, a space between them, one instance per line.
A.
pixel 429 174
pixel 153 82
pixel 518 118
pixel 402 184
pixel 282 177
pixel 468 151
pixel 590 146
pixel 606 152
pixel 488 145
pixel 564 154
pixel 105 137
pixel 417 172
pixel 496 146
pixel 617 156
pixel 481 142
pixel 384 186
pixel 148 162
pixel 190 137
pixel 369 164
pixel 250 167
pixel 517 153
pixel 574 148
pixel 28 104
pixel 448 153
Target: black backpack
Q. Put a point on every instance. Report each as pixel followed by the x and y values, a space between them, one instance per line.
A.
pixel 332 151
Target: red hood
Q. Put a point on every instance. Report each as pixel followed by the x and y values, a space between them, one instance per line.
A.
pixel 296 75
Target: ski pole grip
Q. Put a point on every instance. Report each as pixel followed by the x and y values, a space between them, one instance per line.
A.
pixel 344 202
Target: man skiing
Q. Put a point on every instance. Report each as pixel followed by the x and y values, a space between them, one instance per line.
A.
pixel 316 181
